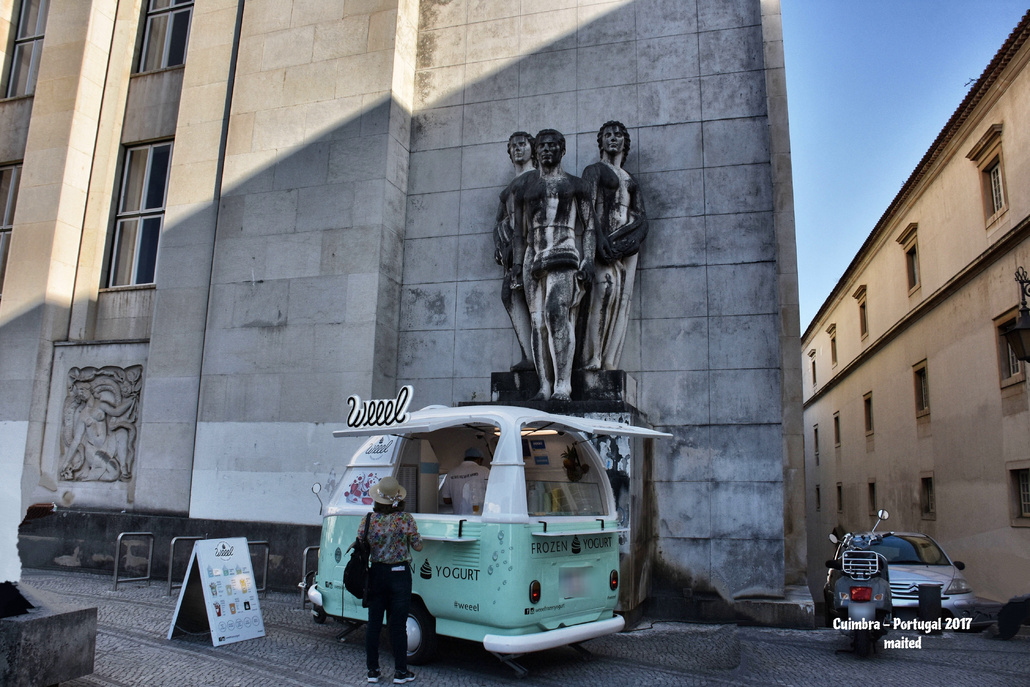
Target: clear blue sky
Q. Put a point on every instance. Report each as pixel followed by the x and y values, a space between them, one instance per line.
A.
pixel 870 84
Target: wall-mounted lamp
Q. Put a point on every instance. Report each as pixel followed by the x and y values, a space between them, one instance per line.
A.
pixel 1018 335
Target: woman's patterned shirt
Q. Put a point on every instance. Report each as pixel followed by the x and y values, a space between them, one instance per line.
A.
pixel 389 535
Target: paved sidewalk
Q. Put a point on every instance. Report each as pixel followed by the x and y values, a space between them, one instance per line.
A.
pixel 134 621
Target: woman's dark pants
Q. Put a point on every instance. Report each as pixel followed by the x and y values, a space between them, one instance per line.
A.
pixel 389 590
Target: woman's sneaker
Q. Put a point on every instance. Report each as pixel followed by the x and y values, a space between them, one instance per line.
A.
pixel 373 676
pixel 400 677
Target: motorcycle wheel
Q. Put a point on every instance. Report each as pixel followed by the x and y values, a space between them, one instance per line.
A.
pixel 863 643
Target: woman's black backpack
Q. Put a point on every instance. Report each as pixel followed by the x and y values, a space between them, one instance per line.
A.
pixel 355 575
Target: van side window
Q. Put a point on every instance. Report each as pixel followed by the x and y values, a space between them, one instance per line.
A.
pixel 562 478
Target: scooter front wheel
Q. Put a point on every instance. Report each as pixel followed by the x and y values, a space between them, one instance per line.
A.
pixel 863 643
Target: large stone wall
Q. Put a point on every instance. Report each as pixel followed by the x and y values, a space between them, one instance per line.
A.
pixel 688 79
pixel 328 231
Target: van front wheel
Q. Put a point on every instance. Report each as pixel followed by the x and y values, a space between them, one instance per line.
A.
pixel 421 634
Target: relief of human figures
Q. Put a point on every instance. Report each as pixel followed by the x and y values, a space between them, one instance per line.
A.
pixel 561 238
pixel 99 423
pixel 621 228
pixel 555 271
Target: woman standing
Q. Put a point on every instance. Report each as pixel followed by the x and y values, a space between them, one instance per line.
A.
pixel 391 532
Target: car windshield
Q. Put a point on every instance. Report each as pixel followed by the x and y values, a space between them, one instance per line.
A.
pixel 910 548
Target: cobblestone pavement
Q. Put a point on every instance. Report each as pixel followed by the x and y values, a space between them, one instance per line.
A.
pixel 134 621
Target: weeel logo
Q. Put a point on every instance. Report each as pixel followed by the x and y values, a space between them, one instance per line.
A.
pixel 223 550
pixel 379 412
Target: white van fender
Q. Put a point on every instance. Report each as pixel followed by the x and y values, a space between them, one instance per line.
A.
pixel 549 639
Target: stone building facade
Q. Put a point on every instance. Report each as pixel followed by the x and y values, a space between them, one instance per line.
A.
pixel 233 214
pixel 913 400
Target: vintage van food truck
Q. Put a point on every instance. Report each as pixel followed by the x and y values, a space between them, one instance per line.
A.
pixel 536 568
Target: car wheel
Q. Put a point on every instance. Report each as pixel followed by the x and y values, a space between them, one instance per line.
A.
pixel 421 634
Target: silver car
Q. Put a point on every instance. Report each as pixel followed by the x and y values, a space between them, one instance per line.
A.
pixel 914 559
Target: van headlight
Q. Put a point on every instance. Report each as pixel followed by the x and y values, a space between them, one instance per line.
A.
pixel 958 586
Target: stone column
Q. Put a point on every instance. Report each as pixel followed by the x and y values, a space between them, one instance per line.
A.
pixel 795 548
pixel 172 380
pixel 278 272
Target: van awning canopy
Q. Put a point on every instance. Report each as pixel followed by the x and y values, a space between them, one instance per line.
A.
pixel 509 418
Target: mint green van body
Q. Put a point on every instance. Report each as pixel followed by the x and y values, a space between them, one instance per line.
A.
pixel 537 566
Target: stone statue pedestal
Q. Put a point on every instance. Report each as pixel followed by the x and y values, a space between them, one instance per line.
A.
pixel 603 391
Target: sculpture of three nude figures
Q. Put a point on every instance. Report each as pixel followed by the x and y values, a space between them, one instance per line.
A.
pixel 551 268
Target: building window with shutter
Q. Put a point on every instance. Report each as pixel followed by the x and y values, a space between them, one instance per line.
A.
pixel 927 499
pixel 921 381
pixel 989 159
pixel 863 311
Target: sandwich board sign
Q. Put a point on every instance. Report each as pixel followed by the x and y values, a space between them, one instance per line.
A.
pixel 218 594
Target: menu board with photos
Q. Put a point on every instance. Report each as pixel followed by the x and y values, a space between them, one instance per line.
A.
pixel 219 594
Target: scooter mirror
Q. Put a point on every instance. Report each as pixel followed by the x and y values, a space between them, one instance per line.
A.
pixel 833 538
pixel 882 514
pixel 316 488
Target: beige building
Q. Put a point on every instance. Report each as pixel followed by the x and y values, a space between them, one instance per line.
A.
pixel 913 401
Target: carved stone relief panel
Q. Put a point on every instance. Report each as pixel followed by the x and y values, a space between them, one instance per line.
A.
pixel 99 423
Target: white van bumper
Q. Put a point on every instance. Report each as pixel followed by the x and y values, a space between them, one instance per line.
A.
pixel 315 596
pixel 523 644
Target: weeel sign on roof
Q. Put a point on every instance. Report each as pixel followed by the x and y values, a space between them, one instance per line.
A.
pixel 218 594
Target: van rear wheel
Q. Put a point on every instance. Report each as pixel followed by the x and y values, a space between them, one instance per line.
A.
pixel 421 628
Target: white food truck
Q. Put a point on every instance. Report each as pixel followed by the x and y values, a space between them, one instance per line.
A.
pixel 537 565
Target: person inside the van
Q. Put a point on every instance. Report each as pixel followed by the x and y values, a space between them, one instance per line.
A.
pixel 465 485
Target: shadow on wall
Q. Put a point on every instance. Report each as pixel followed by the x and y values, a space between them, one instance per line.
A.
pixel 354 251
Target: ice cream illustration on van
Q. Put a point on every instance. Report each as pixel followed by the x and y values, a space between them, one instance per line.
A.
pixel 536 568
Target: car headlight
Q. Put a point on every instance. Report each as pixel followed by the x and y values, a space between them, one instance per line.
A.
pixel 958 586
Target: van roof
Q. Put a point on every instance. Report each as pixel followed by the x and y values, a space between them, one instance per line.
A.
pixel 510 418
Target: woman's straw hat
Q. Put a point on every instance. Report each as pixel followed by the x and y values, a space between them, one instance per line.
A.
pixel 388 490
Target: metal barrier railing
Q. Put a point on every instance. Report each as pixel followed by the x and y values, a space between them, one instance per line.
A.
pixel 118 557
pixel 304 584
pixel 171 559
pixel 260 588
